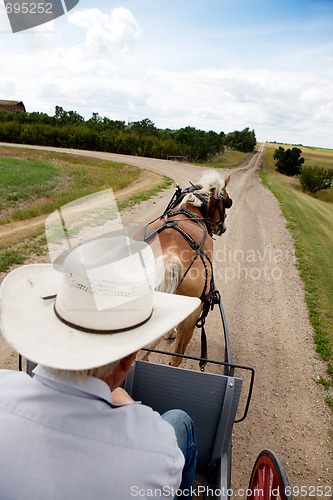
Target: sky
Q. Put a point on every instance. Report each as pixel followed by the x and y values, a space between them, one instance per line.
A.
pixel 219 65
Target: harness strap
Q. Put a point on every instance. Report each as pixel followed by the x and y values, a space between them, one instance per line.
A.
pixel 208 299
pixel 168 224
pixel 177 195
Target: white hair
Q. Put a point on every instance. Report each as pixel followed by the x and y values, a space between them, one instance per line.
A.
pixel 99 372
pixel 211 184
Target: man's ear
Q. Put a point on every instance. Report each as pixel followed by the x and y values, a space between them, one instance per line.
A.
pixel 126 362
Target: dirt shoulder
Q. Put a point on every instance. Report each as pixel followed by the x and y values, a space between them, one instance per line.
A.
pixel 263 298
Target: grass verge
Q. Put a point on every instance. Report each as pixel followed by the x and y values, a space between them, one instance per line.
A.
pixel 310 221
pixel 36 182
pixel 32 185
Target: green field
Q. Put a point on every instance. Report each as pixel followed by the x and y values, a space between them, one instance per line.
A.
pixel 35 182
pixel 311 223
pixel 314 157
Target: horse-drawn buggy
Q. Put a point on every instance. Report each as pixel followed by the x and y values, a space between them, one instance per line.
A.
pixel 182 242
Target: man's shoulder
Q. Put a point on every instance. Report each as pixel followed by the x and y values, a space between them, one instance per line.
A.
pixel 4 372
pixel 11 373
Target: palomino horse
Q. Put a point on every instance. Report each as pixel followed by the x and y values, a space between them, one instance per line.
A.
pixel 182 241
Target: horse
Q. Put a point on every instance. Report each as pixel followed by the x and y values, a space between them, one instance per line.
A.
pixel 182 241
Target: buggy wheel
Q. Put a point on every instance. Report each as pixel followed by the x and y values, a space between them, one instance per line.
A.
pixel 268 479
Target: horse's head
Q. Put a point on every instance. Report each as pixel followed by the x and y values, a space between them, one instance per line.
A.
pixel 219 202
pixel 211 197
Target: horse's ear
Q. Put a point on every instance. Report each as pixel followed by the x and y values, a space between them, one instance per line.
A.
pixel 226 182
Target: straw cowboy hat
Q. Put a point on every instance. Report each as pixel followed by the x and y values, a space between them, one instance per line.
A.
pixel 96 307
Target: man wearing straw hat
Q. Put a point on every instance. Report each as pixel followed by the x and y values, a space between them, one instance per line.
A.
pixel 70 432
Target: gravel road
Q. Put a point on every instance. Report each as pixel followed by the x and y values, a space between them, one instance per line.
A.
pixel 263 298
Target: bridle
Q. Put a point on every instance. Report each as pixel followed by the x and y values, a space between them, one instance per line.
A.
pixel 207 213
pixel 221 207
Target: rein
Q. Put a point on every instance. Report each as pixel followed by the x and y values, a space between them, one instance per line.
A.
pixel 199 252
pixel 210 298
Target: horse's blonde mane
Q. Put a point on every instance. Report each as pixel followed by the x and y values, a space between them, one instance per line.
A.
pixel 210 184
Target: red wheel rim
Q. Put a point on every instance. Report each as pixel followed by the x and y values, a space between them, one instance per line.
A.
pixel 266 483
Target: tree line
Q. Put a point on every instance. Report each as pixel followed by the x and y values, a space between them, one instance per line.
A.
pixel 142 138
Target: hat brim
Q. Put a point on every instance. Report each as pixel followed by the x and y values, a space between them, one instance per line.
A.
pixel 28 323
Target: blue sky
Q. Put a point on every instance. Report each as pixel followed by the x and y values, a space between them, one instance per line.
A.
pixel 216 65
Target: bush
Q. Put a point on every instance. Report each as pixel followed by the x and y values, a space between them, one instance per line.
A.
pixel 314 179
pixel 244 141
pixel 288 162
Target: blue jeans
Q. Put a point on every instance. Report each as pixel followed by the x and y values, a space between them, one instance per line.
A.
pixel 185 434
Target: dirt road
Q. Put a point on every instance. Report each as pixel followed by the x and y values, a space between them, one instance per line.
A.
pixel 263 298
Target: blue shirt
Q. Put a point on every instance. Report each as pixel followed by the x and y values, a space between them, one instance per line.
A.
pixel 61 439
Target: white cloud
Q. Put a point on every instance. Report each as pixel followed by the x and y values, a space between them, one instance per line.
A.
pixel 107 34
pixel 43 69
pixel 99 71
pixel 235 98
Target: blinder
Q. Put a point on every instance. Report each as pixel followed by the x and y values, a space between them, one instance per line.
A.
pixel 227 202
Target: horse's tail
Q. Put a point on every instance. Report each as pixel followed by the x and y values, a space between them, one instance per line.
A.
pixel 169 270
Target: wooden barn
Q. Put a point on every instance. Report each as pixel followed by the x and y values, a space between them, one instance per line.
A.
pixel 13 106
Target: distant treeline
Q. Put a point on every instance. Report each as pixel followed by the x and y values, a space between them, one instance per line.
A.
pixel 69 130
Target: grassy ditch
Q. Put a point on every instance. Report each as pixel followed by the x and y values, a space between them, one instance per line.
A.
pixel 310 221
pixel 33 183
